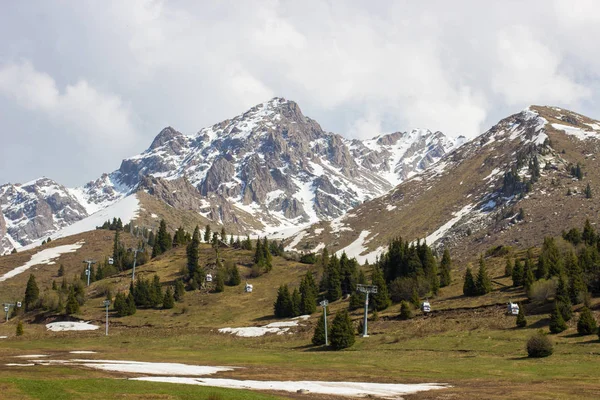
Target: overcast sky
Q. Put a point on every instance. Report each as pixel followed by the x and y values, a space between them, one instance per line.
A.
pixel 84 84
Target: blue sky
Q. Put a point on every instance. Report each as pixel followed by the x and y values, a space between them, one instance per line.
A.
pixel 84 84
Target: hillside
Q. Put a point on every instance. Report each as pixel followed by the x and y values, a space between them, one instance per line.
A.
pixel 471 199
pixel 467 342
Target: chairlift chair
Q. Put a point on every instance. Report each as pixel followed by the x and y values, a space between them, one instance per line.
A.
pixel 209 278
pixel 512 309
pixel 426 307
pixel 248 288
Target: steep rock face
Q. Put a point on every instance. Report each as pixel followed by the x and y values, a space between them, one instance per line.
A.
pixel 36 209
pixel 281 167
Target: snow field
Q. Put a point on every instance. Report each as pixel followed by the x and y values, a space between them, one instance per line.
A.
pixel 71 326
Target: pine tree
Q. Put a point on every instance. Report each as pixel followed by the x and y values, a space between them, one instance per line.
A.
pixel 381 299
pixel 131 308
pixel 557 323
pixel 405 310
pixel 508 268
pixel 14 251
pixel 192 253
pixel 357 299
pixel 156 294
pixel 20 331
pixel 318 338
pixel 588 192
pixel 342 332
pixel 207 234
pixel 121 305
pixel 483 284
pixel 168 300
pixel 163 240
pixel 296 303
pixel 589 234
pixel 54 287
pixel 563 302
pixel 469 288
pixel 521 320
pixel 179 290
pixel 283 305
pixel 528 277
pixel 518 273
pixel 219 281
pixel 445 267
pixel 223 235
pixel 72 306
pixel 32 294
pixel 233 273
pixel 586 325
pixel 61 270
pixel 334 283
pixel 308 295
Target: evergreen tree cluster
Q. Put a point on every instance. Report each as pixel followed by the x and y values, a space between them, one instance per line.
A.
pixel 302 301
pixel 262 256
pixel 115 225
pixel 412 270
pixel 124 305
pixel 340 275
pixel 147 293
pixel 479 285
pixel 576 171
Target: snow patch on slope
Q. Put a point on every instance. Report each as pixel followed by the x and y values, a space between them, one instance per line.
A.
pixel 441 231
pixel 45 256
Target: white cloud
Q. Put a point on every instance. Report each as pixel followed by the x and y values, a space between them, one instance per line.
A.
pixel 91 117
pixel 356 67
pixel 529 71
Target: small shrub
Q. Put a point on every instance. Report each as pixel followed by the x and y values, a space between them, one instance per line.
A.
pixel 539 345
pixel 20 330
pixel 542 291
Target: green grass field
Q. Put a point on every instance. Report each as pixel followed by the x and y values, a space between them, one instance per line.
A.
pixel 468 343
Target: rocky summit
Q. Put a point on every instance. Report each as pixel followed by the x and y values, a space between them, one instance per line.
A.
pixel 270 169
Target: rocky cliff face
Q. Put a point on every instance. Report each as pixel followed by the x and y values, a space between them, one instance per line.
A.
pixel 281 167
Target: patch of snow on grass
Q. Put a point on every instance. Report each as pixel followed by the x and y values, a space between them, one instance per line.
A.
pixel 82 352
pixel 390 207
pixel 45 256
pixel 318 231
pixel 352 389
pixel 70 326
pixel 32 356
pixel 442 230
pixel 19 365
pixel 279 328
pixel 139 367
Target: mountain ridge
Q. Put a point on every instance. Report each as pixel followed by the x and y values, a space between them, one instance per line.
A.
pixel 267 170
